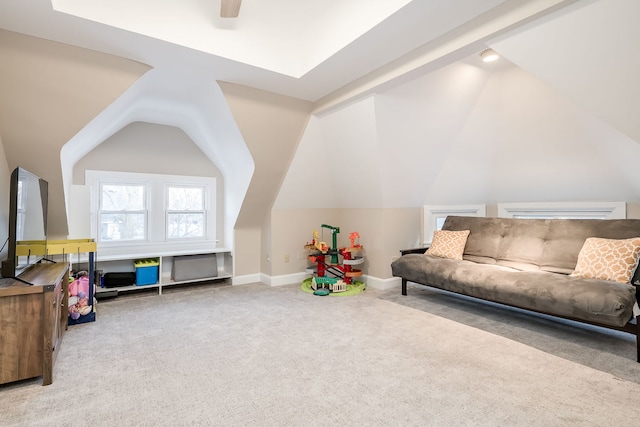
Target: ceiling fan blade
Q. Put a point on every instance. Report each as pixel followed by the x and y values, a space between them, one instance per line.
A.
pixel 229 8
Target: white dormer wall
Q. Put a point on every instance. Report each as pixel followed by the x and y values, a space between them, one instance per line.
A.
pixel 461 135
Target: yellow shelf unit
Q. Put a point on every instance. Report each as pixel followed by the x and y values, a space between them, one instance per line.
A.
pixel 65 248
pixel 55 247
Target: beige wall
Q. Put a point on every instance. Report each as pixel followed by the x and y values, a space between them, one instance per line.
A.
pixel 633 210
pixel 148 148
pixel 49 92
pixel 291 230
pixel 248 244
pixel 383 232
pixel 265 245
pixel 271 126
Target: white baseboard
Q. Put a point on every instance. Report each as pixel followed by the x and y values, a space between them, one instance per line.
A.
pixel 383 284
pixel 287 279
pixel 246 279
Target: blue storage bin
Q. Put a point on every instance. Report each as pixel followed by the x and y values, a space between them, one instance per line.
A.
pixel 146 271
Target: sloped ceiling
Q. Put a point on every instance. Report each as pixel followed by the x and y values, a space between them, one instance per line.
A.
pixel 49 91
pixel 469 132
pixel 590 53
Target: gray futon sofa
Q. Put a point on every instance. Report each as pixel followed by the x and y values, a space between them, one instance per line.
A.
pixel 527 263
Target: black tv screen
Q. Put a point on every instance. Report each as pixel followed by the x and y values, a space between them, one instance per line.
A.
pixel 28 200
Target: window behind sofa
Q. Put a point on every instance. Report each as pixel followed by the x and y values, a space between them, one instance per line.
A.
pixel 564 210
pixel 434 216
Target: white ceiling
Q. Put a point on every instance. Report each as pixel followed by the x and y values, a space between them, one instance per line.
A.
pixel 285 36
pixel 307 49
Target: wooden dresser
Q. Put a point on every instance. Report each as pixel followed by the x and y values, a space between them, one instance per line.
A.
pixel 33 319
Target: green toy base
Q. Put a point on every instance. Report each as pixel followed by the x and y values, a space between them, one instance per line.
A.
pixel 357 287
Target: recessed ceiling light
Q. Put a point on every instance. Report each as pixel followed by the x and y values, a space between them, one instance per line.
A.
pixel 489 55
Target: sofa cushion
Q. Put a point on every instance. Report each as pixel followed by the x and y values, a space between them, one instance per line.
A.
pixel 608 259
pixel 484 238
pixel 523 243
pixel 448 244
pixel 560 243
pixel 566 238
pixel 599 301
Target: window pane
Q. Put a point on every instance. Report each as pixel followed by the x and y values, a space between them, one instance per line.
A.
pixel 183 225
pixel 122 226
pixel 122 197
pixel 185 199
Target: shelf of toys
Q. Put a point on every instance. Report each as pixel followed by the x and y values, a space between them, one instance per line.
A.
pixel 338 263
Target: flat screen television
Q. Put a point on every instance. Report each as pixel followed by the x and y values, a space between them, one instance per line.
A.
pixel 28 201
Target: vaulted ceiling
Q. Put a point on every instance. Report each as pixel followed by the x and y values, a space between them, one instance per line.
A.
pixel 368 70
pixel 307 49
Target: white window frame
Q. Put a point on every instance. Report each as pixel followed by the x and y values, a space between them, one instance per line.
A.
pixel 431 215
pixel 202 211
pixel 573 210
pixel 157 240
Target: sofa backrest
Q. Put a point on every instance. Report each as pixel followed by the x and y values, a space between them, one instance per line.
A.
pixel 536 244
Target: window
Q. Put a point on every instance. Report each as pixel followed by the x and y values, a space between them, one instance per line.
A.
pixel 185 212
pixel 434 216
pixel 133 212
pixel 122 214
pixel 564 210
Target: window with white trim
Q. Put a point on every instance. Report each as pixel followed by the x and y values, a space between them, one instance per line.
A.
pixel 564 210
pixel 133 211
pixel 434 217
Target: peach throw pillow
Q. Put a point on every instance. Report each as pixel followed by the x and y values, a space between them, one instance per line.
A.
pixel 448 244
pixel 608 259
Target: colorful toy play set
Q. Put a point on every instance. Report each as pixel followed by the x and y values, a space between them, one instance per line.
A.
pixel 344 274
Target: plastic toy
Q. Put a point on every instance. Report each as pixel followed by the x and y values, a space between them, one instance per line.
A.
pixel 79 296
pixel 343 272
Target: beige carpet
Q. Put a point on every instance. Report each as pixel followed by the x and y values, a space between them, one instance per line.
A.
pixel 258 356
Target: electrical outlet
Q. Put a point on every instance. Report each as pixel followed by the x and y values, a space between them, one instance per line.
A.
pixel 286 258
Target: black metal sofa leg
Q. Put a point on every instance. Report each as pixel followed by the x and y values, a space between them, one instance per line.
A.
pixel 404 292
pixel 638 339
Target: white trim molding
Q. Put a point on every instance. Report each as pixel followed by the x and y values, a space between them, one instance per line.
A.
pixel 246 279
pixel 433 215
pixel 574 210
pixel 383 284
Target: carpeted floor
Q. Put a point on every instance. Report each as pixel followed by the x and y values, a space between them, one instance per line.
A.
pixel 253 355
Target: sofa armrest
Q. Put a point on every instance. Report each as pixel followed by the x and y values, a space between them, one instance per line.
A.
pixel 414 250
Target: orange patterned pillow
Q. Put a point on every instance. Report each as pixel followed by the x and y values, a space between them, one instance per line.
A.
pixel 608 259
pixel 448 244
